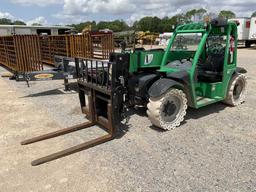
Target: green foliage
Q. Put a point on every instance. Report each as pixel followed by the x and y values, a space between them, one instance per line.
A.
pixel 181 19
pixel 165 25
pixel 254 14
pixel 227 14
pixel 5 21
pixel 17 22
pixel 195 15
pixel 79 27
pixel 190 14
pixel 152 24
pixel 116 26
pixel 169 24
pixel 148 24
pixel 200 13
pixel 36 24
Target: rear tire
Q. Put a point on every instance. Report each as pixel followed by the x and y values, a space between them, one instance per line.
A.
pixel 237 90
pixel 168 110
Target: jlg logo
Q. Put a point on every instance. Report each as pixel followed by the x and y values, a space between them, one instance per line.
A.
pixel 148 59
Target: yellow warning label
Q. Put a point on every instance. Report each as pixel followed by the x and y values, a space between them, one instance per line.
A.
pixel 43 76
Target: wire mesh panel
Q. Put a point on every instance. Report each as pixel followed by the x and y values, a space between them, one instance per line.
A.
pixel 59 45
pixel 20 53
pixel 102 44
pixel 10 53
pixel 80 46
pixel 3 55
pixel 27 50
pixel 54 45
pixel 97 45
pixel 107 45
pixel 45 49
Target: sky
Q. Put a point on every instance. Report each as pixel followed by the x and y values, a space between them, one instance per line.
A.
pixel 50 12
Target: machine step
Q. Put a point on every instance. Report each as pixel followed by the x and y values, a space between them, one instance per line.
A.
pixel 203 101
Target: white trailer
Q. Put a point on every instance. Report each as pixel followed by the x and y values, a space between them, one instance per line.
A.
pixel 243 28
pixel 252 34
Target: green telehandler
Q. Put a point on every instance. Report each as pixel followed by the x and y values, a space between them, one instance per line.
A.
pixel 198 68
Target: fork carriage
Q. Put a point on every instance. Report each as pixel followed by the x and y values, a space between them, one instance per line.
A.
pixel 101 98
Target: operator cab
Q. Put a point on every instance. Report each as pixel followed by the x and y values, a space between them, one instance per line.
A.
pixel 211 62
pixel 203 57
pixel 210 66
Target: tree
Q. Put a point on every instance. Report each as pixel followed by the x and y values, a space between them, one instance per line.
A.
pixel 5 21
pixel 164 25
pixel 180 19
pixel 227 14
pixel 167 25
pixel 149 24
pixel 254 14
pixel 200 13
pixel 136 25
pixel 79 27
pixel 191 14
pixel 209 16
pixel 36 24
pixel 17 22
pixel 195 15
pixel 116 25
pixel 144 24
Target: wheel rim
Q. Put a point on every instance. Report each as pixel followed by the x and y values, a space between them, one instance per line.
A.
pixel 170 109
pixel 238 89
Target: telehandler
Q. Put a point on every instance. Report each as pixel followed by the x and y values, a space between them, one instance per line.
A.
pixel 198 68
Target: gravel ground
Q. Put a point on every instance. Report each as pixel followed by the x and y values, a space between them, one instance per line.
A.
pixel 213 150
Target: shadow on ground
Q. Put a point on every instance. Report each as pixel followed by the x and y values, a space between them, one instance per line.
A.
pixel 191 113
pixel 72 89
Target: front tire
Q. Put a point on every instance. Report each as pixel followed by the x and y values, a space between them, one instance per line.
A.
pixel 237 90
pixel 168 110
pixel 247 44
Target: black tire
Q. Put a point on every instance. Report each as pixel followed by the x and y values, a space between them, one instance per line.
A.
pixel 168 110
pixel 247 44
pixel 237 90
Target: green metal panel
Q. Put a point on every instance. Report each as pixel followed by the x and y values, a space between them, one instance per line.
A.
pixel 145 59
pixel 133 62
pixel 209 90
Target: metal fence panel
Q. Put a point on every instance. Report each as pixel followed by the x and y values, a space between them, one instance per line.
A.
pixel 22 53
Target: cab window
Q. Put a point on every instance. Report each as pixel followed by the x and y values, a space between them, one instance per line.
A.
pixel 186 42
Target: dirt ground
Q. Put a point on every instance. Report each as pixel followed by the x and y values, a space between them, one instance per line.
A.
pixel 214 150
